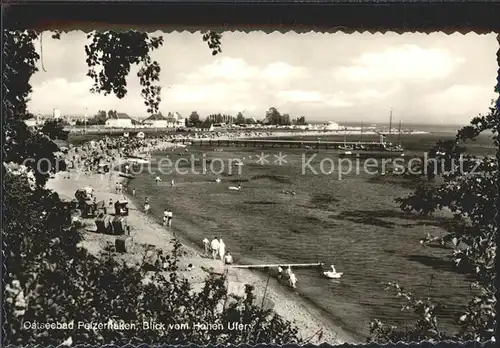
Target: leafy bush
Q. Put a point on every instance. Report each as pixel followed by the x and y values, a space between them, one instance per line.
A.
pixel 470 193
pixel 52 280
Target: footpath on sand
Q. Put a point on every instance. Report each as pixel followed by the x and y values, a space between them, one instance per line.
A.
pixel 146 230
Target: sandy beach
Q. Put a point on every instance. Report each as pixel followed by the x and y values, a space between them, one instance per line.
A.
pixel 147 230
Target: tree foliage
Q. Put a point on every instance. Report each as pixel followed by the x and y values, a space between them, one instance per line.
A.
pixel 469 191
pixel 194 119
pixel 300 121
pixel 54 129
pixel 220 118
pixel 34 149
pixel 98 119
pixel 51 279
pixel 110 57
pixel 240 119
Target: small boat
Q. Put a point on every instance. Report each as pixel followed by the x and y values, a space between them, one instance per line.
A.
pixel 235 188
pixel 137 159
pixel 392 148
pixel 333 274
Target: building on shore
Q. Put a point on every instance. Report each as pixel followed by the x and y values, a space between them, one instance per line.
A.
pixel 120 120
pixel 173 120
pixel 179 120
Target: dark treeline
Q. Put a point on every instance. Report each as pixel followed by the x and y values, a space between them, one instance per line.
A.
pixel 272 117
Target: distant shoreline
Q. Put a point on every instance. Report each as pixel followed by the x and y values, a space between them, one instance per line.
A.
pixel 95 130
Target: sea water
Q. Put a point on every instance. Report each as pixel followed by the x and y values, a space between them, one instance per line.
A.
pixel 352 222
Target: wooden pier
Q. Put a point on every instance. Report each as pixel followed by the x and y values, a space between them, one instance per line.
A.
pixel 281 143
pixel 296 265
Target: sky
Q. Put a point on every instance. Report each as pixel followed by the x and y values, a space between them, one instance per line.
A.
pixel 423 78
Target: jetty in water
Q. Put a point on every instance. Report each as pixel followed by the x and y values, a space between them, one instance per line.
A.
pixel 296 265
pixel 281 143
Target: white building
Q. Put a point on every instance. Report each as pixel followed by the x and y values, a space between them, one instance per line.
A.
pixel 179 121
pixel 121 120
pixel 156 121
pixel 38 120
pixel 330 125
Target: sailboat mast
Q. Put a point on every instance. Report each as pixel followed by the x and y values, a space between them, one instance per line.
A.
pixel 361 134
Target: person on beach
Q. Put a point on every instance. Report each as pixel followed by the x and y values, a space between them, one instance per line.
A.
pixel 110 202
pixel 165 217
pixel 117 188
pixel 158 179
pixel 228 259
pixel 290 276
pixel 293 280
pixel 133 192
pixel 120 188
pixel 215 247
pixel 147 207
pixel 172 183
pixel 222 249
pixel 169 216
pixel 206 244
pixel 280 272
